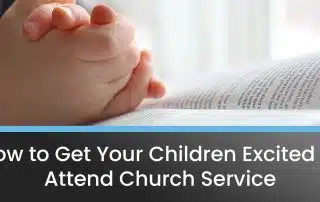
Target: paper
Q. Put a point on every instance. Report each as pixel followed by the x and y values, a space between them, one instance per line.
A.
pixel 286 85
pixel 188 117
pixel 285 93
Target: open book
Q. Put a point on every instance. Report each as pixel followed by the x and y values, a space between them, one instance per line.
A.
pixel 270 93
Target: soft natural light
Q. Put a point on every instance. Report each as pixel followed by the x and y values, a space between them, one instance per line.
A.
pixel 297 28
pixel 295 41
pixel 191 35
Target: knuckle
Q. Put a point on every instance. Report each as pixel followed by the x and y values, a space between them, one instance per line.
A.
pixel 110 40
pixel 118 37
pixel 46 9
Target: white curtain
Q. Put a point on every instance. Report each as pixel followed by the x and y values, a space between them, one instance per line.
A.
pixel 199 35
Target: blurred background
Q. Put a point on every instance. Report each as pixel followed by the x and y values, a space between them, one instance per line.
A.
pixel 201 35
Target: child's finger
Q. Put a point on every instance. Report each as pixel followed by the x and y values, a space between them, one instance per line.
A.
pixel 70 16
pixel 156 89
pixel 39 22
pixel 25 7
pixel 102 15
pixel 45 17
pixel 133 94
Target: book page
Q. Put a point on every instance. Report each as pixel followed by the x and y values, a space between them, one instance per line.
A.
pixel 189 117
pixel 286 85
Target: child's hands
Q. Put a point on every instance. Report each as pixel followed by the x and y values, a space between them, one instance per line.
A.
pixel 70 16
pixel 68 77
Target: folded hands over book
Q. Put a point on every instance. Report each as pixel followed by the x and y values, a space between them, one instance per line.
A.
pixel 69 67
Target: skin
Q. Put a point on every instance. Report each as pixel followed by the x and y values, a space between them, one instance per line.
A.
pixel 69 77
pixel 68 17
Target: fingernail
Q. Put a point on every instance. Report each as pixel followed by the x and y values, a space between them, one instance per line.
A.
pixel 32 29
pixel 67 11
pixel 146 56
pixel 161 93
pixel 102 15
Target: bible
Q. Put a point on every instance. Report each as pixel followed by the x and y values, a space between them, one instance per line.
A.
pixel 270 93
